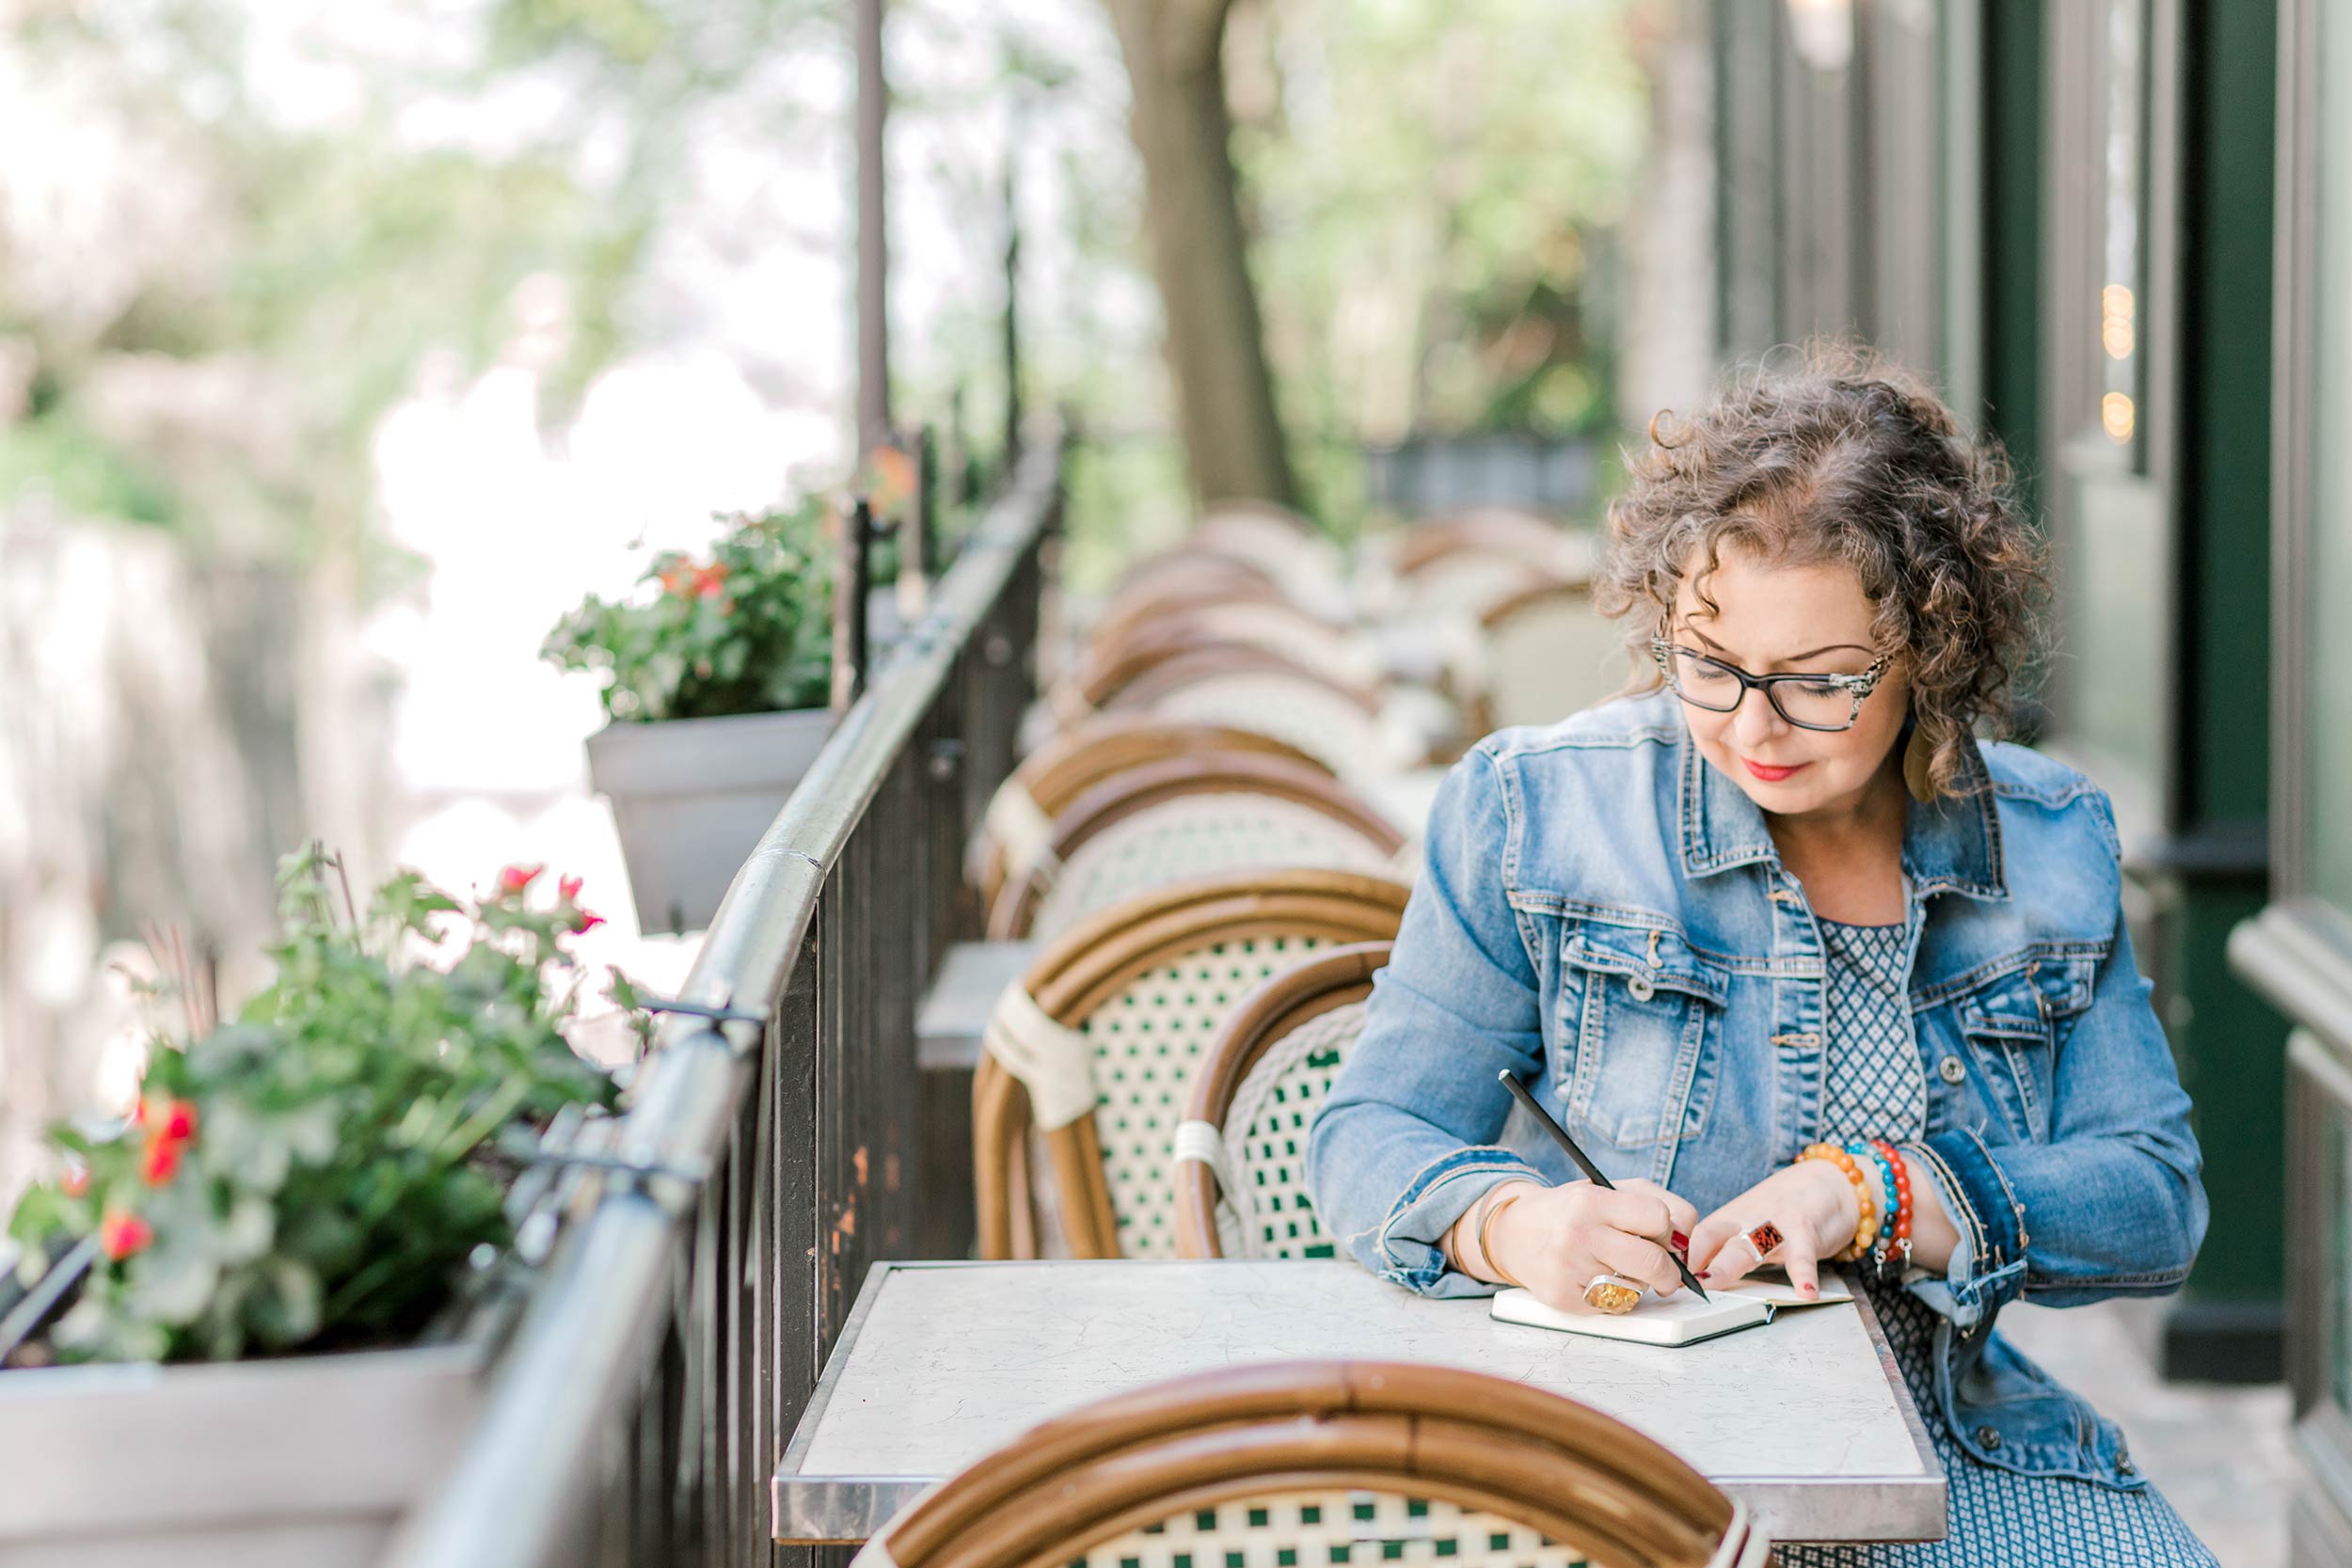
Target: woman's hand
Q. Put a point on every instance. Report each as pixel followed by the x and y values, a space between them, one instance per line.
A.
pixel 1812 1204
pixel 1554 1239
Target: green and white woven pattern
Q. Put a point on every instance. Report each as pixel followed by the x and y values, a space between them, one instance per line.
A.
pixel 1266 1138
pixel 1148 1042
pixel 1315 1529
pixel 1197 835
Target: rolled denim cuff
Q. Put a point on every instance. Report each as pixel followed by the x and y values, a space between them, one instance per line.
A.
pixel 1988 1266
pixel 1440 1194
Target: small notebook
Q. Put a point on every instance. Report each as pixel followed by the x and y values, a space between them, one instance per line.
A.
pixel 1681 1319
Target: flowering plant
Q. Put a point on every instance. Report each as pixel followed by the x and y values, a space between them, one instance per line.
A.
pixel 312 1173
pixel 749 630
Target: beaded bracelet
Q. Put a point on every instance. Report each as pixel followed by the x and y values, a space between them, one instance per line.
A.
pixel 1900 1240
pixel 1869 1225
pixel 1890 1204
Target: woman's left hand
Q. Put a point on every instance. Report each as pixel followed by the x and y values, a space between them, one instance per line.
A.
pixel 1811 1203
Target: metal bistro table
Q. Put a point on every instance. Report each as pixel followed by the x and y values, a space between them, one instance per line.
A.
pixel 942 1363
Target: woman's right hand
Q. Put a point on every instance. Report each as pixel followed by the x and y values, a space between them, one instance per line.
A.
pixel 1554 1239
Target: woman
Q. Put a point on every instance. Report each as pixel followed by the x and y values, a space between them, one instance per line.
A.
pixel 1805 969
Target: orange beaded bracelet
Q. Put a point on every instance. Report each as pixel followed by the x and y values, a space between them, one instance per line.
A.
pixel 1868 1227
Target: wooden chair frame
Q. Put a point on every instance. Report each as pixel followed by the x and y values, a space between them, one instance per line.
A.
pixel 1322 984
pixel 1089 965
pixel 1485 530
pixel 1076 760
pixel 1108 670
pixel 1135 789
pixel 1582 1478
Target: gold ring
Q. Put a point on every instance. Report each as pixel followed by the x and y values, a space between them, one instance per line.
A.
pixel 1612 1294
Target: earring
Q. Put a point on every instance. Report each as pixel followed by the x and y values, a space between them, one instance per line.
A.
pixel 1918 758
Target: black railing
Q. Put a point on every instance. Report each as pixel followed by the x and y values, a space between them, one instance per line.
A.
pixel 767 1159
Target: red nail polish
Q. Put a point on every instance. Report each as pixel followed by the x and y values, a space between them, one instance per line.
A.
pixel 1702 1274
pixel 1812 1289
pixel 1682 1241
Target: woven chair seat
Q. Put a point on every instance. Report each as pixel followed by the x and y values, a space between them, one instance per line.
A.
pixel 1540 655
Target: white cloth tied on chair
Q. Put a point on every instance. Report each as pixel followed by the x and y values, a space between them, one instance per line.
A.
pixel 1053 1061
pixel 1019 826
pixel 1203 1142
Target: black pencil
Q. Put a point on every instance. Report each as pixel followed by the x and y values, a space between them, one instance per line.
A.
pixel 1568 1146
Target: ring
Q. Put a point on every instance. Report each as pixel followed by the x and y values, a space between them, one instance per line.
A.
pixel 1612 1294
pixel 1761 1239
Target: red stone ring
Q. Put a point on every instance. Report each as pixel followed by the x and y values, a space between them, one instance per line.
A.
pixel 1762 1239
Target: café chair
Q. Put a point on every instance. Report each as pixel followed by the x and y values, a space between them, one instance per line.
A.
pixel 1316 1463
pixel 1541 653
pixel 1240 1150
pixel 1182 818
pixel 1019 823
pixel 1353 729
pixel 1094 1050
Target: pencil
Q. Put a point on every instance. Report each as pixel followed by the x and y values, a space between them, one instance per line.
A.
pixel 1568 1147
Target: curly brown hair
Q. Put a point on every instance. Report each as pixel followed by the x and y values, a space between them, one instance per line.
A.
pixel 1845 456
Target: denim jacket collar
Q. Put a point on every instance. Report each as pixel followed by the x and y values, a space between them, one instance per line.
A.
pixel 1950 844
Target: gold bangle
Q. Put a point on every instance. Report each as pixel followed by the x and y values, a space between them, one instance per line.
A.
pixel 1486 1257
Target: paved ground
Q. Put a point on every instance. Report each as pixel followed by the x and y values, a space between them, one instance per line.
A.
pixel 2221 1453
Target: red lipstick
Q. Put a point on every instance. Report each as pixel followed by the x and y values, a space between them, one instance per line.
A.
pixel 1771 775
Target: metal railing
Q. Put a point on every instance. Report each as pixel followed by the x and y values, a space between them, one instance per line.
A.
pixel 774 1150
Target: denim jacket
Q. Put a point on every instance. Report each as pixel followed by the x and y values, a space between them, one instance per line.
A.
pixel 1604 914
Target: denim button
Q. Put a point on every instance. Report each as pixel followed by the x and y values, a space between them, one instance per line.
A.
pixel 1988 1439
pixel 1641 988
pixel 1950 1070
pixel 2125 1468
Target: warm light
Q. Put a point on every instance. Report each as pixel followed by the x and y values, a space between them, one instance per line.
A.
pixel 2115 320
pixel 2117 414
pixel 1822 30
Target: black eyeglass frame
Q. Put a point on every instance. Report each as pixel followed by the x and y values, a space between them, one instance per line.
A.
pixel 1857 687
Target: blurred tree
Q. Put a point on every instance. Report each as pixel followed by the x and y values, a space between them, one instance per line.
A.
pixel 1214 345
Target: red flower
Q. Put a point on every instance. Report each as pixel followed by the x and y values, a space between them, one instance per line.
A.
pixel 74 1181
pixel 168 1121
pixel 586 922
pixel 674 578
pixel 710 581
pixel 162 1160
pixel 569 887
pixel 515 878
pixel 120 1235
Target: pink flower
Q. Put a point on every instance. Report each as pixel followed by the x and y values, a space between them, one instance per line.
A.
pixel 710 581
pixel 122 1235
pixel 586 922
pixel 162 1160
pixel 74 1181
pixel 168 1121
pixel 569 887
pixel 515 878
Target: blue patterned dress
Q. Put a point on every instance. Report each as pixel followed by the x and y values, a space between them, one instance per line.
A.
pixel 1876 1086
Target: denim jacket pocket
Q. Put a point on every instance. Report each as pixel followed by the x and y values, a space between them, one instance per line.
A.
pixel 2013 1022
pixel 1638 1011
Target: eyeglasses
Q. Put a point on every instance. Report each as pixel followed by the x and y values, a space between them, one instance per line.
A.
pixel 1809 701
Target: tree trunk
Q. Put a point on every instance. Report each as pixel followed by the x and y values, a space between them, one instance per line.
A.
pixel 1215 346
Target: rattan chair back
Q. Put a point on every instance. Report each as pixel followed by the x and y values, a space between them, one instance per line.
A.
pixel 1316 1463
pixel 1333 720
pixel 1185 817
pixel 1097 1046
pixel 1019 820
pixel 1241 1180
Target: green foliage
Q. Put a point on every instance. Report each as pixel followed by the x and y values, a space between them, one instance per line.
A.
pixel 313 1173
pixel 748 631
pixel 86 474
